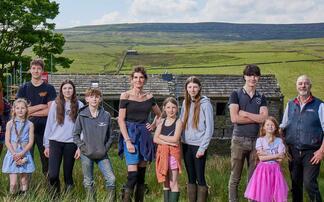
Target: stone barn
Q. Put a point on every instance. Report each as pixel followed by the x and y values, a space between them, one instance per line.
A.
pixel 217 87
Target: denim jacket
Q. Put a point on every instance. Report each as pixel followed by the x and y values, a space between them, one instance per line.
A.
pixel 139 134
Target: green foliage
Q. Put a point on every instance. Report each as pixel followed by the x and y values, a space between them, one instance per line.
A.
pixel 25 24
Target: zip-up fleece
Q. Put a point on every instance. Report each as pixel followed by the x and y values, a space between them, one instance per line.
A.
pixel 202 135
pixel 93 135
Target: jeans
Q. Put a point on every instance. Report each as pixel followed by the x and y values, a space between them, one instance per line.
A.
pixel 105 168
pixel 242 148
pixel 59 150
pixel 195 166
pixel 302 172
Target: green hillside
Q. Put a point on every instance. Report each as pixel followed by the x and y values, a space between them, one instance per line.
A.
pixel 186 54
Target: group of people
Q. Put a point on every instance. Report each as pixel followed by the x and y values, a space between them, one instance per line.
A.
pixel 63 128
pixel 256 135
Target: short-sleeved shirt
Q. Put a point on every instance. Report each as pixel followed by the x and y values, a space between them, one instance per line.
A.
pixel 248 104
pixel 36 95
pixel 276 147
pixel 137 111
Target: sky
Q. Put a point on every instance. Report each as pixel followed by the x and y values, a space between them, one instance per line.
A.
pixel 95 12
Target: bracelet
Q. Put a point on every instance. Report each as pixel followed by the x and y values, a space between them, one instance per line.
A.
pixel 127 140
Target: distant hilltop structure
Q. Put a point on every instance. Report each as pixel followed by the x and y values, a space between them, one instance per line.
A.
pixel 132 52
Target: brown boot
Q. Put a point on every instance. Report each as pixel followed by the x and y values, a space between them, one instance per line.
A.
pixel 202 193
pixel 139 193
pixel 192 192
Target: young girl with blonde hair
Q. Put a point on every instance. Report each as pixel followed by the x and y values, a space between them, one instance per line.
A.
pixel 168 155
pixel 19 139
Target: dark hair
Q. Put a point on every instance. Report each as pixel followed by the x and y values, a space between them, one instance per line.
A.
pixel 92 91
pixel 37 62
pixel 139 69
pixel 60 102
pixel 166 101
pixel 251 70
pixel 187 103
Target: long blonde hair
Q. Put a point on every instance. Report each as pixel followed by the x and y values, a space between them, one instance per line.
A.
pixel 187 103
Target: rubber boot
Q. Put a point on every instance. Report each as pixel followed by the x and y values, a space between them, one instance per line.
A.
pixel 127 194
pixel 166 194
pixel 111 194
pixel 90 194
pixel 174 196
pixel 202 193
pixel 140 192
pixel 192 192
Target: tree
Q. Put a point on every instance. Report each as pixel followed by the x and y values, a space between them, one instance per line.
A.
pixel 25 26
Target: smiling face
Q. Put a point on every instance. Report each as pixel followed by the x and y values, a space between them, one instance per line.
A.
pixel 303 86
pixel 269 127
pixel 20 110
pixel 138 80
pixel 36 72
pixel 93 100
pixel 67 91
pixel 251 80
pixel 171 110
pixel 193 89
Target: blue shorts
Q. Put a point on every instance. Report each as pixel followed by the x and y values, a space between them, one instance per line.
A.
pixel 133 158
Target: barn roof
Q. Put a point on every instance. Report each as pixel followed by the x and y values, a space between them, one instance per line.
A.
pixel 216 85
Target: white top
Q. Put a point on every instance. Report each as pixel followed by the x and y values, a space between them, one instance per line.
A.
pixel 60 133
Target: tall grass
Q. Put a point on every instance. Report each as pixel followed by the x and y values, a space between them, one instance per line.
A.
pixel 217 173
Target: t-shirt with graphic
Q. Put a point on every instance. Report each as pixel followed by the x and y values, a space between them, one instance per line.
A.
pixel 275 147
pixel 36 95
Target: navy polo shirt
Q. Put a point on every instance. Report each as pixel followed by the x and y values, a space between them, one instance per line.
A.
pixel 248 104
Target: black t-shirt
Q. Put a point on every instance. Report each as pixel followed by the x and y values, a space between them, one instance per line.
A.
pixel 37 95
pixel 137 111
pixel 248 104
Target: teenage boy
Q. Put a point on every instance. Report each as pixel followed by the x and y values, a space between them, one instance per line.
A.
pixel 92 134
pixel 39 95
pixel 248 108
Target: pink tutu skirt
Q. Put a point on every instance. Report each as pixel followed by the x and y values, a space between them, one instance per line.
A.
pixel 267 184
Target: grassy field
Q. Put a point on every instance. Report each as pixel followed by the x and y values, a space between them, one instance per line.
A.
pixel 286 59
pixel 217 178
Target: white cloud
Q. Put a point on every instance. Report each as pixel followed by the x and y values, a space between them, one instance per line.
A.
pixel 111 18
pixel 263 11
pixel 164 8
pixel 239 11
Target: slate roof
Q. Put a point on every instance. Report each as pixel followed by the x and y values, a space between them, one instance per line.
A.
pixel 217 85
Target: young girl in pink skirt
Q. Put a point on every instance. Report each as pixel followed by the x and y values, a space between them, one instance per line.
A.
pixel 267 183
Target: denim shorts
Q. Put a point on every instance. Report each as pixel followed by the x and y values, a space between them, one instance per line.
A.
pixel 133 158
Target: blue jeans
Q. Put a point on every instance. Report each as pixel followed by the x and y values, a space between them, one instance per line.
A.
pixel 303 173
pixel 105 168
